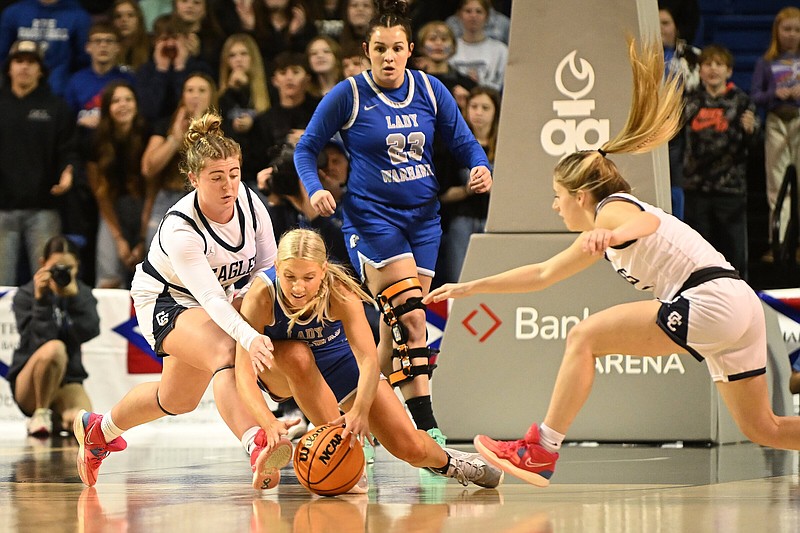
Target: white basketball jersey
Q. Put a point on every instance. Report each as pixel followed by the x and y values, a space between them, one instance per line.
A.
pixel 662 261
pixel 198 261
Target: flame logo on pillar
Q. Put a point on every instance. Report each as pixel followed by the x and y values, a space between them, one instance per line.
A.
pixel 563 136
pixel 467 322
pixel 585 72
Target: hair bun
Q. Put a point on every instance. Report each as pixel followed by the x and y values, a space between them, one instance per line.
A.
pixel 210 124
pixel 398 8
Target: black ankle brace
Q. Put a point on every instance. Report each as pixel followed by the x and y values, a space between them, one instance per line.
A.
pixel 443 470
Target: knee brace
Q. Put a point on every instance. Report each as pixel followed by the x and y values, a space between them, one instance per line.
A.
pixel 391 316
pixel 408 369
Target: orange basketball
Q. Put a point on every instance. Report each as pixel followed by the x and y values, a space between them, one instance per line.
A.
pixel 325 463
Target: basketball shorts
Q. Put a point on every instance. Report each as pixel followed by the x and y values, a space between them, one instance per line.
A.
pixel 340 374
pixel 722 322
pixel 378 235
pixel 156 317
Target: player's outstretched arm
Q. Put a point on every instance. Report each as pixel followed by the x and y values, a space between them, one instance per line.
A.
pixel 256 309
pixel 527 278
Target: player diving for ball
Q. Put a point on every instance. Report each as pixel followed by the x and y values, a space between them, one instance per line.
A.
pixel 325 357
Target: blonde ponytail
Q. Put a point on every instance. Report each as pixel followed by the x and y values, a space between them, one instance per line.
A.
pixel 656 104
pixel 654 118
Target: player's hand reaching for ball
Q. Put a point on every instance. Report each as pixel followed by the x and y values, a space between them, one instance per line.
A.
pixel 261 353
pixel 448 290
pixel 356 425
pixel 278 429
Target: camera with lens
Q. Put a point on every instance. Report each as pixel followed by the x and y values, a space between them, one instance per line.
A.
pixel 284 180
pixel 61 274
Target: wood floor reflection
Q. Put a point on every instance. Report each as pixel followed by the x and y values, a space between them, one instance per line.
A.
pixel 165 484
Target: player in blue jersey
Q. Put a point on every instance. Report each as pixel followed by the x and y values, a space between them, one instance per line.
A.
pixel 312 311
pixel 387 118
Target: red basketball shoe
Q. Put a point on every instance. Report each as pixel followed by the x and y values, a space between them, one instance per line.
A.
pixel 524 458
pixel 93 447
pixel 266 465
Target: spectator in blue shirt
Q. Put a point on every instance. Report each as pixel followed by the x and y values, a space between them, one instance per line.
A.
pixel 85 87
pixel 61 25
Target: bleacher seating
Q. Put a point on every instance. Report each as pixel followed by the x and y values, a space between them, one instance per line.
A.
pixel 743 7
pixel 743 26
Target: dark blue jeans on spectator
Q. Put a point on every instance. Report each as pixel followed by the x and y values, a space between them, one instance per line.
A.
pixel 722 220
pixel 676 149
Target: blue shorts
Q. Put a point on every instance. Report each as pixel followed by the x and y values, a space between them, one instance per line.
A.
pixel 379 234
pixel 340 374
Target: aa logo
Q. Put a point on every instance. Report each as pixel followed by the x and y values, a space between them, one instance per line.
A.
pixel 574 129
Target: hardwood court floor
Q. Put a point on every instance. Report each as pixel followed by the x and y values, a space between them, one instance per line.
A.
pixel 166 482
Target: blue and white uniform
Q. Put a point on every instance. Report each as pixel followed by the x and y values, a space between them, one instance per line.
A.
pixel 391 208
pixel 195 262
pixel 327 341
pixel 705 306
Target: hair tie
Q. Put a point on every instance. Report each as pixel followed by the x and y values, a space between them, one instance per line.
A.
pixel 602 152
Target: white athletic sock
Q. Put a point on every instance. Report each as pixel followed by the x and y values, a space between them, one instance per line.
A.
pixel 550 439
pixel 249 439
pixel 109 428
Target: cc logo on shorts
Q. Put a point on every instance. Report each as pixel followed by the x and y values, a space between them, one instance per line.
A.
pixel 674 320
pixel 162 318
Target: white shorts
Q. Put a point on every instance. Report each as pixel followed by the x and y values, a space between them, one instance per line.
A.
pixel 722 322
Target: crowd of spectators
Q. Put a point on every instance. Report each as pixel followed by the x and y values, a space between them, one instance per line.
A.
pixel 109 88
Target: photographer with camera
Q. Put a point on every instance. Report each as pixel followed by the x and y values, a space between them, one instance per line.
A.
pixel 289 206
pixel 55 314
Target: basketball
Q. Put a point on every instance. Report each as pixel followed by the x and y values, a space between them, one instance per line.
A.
pixel 325 463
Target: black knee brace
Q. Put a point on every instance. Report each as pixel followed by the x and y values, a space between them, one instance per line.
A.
pixel 408 369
